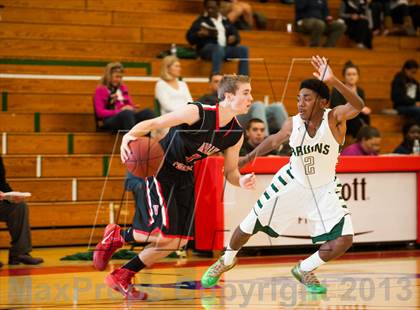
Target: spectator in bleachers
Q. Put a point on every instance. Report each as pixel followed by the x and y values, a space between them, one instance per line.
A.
pixel 217 39
pixel 401 18
pixel 171 92
pixel 239 13
pixel 355 14
pixel 14 211
pixel 273 115
pixel 381 16
pixel 368 142
pixel 114 108
pixel 405 91
pixel 411 132
pixel 414 9
pixel 313 18
pixel 255 133
pixel 351 77
pixel 211 98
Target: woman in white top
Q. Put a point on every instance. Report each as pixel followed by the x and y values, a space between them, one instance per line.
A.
pixel 170 91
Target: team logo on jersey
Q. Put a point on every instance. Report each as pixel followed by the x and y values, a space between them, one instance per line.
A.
pixel 208 149
pixel 156 209
pixel 321 148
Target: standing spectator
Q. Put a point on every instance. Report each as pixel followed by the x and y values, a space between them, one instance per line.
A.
pixel 114 109
pixel 355 14
pixel 254 134
pixel 351 77
pixel 171 92
pixel 216 39
pixel 368 142
pixel 414 9
pixel 312 17
pixel 405 91
pixel 211 98
pixel 411 132
pixel 14 211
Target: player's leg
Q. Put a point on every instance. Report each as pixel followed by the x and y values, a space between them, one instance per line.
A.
pixel 227 261
pixel 267 215
pixel 332 225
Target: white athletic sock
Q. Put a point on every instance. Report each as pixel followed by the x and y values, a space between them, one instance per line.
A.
pixel 312 262
pixel 229 256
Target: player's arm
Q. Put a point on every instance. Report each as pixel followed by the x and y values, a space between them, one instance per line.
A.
pixel 354 103
pixel 270 143
pixel 186 115
pixel 232 173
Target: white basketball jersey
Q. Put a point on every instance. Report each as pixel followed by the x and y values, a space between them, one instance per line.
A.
pixel 314 159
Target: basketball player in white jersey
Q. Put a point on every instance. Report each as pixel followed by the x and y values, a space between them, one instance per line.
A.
pixel 307 185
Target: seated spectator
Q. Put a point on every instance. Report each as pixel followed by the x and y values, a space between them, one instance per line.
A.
pixel 239 13
pixel 211 98
pixel 368 142
pixel 414 9
pixel 355 14
pixel 381 16
pixel 313 18
pixel 14 211
pixel 216 39
pixel 401 18
pixel 254 135
pixel 405 91
pixel 411 132
pixel 273 115
pixel 170 91
pixel 114 108
pixel 351 77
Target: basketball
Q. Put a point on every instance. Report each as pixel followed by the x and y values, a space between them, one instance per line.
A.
pixel 146 157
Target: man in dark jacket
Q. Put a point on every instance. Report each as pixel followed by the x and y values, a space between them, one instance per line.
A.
pixel 14 211
pixel 405 91
pixel 216 39
pixel 312 17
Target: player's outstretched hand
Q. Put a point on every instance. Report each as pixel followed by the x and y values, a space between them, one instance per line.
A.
pixel 323 70
pixel 125 150
pixel 247 181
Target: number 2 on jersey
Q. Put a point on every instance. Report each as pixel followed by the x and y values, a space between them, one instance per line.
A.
pixel 309 162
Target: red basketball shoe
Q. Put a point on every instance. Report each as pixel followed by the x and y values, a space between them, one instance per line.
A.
pixel 120 280
pixel 111 241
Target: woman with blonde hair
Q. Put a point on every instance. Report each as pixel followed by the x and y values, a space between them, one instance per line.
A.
pixel 114 108
pixel 171 92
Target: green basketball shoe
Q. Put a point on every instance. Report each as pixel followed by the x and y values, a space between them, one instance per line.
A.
pixel 308 279
pixel 213 273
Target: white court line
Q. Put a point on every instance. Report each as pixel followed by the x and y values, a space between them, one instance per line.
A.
pixel 91 77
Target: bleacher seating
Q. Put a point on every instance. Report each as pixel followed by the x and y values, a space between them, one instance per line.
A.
pixel 49 139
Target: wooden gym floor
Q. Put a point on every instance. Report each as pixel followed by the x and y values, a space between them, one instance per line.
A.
pixel 368 280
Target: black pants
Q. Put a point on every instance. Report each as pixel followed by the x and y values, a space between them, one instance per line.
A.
pixel 16 216
pixel 354 124
pixel 126 119
pixel 359 32
pixel 399 13
pixel 380 9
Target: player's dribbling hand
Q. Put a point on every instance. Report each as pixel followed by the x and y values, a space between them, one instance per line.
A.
pixel 247 181
pixel 125 149
pixel 323 70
